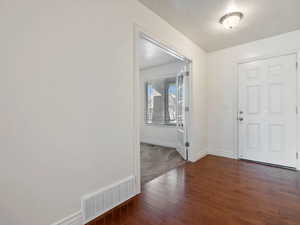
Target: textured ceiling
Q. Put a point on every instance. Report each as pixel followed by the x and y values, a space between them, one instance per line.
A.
pixel 198 19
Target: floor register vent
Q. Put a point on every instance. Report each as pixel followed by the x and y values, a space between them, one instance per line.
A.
pixel 99 202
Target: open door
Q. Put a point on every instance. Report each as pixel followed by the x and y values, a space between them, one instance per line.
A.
pixel 182 112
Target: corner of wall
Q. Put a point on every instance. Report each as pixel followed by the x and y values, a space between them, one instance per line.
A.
pixel 199 155
pixel 74 219
pixel 222 153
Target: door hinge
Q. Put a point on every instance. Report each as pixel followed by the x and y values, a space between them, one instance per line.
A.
pixel 187 154
pixel 187 74
pixel 187 109
pixel 297 155
pixel 296 65
pixel 187 144
pixel 296 109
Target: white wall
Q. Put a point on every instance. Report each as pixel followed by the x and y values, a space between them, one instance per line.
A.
pixel 66 95
pixel 158 134
pixel 222 86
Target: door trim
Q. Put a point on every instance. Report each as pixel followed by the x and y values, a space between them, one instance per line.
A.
pixel 137 32
pixel 236 96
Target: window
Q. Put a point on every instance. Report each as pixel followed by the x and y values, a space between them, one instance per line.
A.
pixel 160 107
pixel 171 103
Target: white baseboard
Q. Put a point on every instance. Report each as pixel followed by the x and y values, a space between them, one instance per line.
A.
pixel 74 219
pixel 125 190
pixel 222 153
pixel 198 156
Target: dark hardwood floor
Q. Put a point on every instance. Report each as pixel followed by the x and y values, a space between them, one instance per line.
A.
pixel 215 191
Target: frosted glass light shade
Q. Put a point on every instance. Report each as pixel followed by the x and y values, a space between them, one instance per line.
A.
pixel 231 20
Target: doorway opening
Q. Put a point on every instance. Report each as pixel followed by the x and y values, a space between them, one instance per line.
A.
pixel 163 106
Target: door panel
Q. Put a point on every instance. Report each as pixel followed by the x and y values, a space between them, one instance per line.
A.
pixel 182 113
pixel 276 137
pixel 275 91
pixel 253 99
pixel 267 110
pixel 253 134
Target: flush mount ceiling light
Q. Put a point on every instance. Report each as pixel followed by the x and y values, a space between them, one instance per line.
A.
pixel 231 20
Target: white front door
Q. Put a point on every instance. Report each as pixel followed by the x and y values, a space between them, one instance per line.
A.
pixel 182 113
pixel 267 110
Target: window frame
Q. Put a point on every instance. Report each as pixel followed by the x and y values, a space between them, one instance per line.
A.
pixel 146 105
pixel 167 82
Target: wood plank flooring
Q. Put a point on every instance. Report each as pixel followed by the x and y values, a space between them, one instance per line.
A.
pixel 214 191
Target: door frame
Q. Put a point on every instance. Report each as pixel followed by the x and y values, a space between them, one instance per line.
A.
pixel 139 31
pixel 236 97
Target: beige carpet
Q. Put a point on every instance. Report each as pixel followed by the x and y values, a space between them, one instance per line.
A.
pixel 157 160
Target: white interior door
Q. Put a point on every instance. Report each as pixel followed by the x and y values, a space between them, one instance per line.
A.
pixel 267 110
pixel 182 112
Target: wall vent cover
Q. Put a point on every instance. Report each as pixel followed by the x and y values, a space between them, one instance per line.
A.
pixel 103 200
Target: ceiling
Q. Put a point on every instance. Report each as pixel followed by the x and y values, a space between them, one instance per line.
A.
pixel 199 19
pixel 151 55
